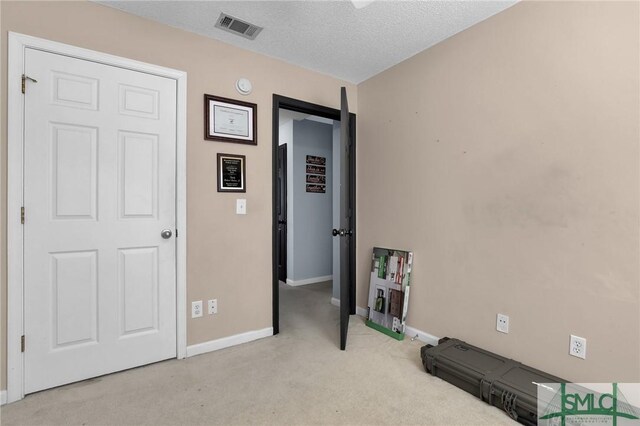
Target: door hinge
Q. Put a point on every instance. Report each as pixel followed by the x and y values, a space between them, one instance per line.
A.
pixel 22 343
pixel 24 82
pixel 22 215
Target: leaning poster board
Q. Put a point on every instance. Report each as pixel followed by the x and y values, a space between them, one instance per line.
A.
pixel 389 291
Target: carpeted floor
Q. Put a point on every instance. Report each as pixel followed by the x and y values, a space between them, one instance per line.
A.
pixel 297 377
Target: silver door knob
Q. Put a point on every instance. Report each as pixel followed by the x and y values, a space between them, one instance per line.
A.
pixel 166 234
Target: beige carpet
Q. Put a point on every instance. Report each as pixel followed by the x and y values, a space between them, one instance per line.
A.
pixel 297 377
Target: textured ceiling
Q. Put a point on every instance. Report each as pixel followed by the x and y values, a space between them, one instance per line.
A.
pixel 331 37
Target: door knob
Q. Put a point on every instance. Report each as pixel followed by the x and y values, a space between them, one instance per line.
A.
pixel 341 232
pixel 166 234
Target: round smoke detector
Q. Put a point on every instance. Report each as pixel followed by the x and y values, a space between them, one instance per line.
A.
pixel 243 86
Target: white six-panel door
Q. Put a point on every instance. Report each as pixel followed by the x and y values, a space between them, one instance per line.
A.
pixel 99 187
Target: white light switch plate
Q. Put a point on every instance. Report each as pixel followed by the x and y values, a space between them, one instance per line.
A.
pixel 241 206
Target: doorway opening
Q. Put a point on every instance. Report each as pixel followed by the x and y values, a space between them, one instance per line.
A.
pixel 309 170
pixel 307 205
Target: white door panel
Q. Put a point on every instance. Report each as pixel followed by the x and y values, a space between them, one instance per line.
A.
pixel 74 171
pixel 74 281
pixel 99 280
pixel 138 279
pixel 138 175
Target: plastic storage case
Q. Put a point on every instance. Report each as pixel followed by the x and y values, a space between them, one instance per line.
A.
pixel 499 381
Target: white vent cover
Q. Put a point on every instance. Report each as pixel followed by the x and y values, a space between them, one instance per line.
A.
pixel 238 26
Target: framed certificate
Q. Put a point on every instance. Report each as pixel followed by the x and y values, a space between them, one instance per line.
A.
pixel 228 120
pixel 232 173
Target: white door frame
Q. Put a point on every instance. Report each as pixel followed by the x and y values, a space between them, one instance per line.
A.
pixel 17 44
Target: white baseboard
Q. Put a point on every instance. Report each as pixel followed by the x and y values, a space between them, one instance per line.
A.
pixel 359 311
pixel 3 397
pixel 309 280
pixel 226 342
pixel 422 336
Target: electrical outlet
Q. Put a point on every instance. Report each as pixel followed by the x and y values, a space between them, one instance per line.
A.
pixel 196 309
pixel 578 347
pixel 213 306
pixel 502 323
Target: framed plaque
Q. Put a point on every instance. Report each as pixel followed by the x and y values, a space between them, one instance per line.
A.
pixel 314 159
pixel 228 120
pixel 232 173
pixel 322 180
pixel 316 170
pixel 318 189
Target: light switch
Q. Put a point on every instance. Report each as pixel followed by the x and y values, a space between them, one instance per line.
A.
pixel 241 206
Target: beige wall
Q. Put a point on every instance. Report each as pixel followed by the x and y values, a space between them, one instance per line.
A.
pixel 510 152
pixel 229 256
pixel 507 159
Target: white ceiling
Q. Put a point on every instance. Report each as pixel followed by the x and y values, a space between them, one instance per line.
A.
pixel 331 37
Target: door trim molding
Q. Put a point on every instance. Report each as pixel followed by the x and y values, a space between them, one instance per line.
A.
pixel 296 105
pixel 17 43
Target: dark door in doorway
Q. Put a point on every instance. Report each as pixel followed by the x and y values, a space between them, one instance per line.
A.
pixel 281 205
pixel 345 233
pixel 347 256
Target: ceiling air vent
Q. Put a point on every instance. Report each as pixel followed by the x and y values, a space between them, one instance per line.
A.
pixel 237 26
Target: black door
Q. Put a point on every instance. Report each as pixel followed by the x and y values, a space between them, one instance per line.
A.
pixel 345 233
pixel 282 212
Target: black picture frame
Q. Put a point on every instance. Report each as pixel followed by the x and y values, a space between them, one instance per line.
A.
pixel 231 173
pixel 312 169
pixel 230 120
pixel 317 160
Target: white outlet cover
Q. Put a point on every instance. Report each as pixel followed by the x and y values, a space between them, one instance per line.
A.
pixel 196 309
pixel 578 347
pixel 502 323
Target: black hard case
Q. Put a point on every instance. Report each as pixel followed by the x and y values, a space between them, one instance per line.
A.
pixel 499 381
